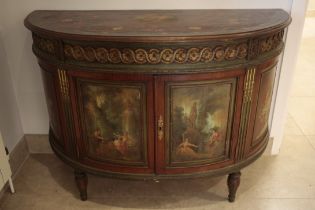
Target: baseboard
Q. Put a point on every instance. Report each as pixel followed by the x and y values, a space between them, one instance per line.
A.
pixel 29 144
pixel 38 143
pixel 17 158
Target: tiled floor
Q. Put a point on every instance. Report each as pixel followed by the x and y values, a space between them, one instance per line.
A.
pixel 283 182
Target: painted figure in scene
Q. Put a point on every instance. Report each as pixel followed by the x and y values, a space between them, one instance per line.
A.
pixel 186 148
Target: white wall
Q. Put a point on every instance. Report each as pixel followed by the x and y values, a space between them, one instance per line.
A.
pixel 286 73
pixel 22 65
pixel 10 123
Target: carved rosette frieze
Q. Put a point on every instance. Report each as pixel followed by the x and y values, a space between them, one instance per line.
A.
pixel 64 91
pixel 246 110
pixel 155 56
pixel 232 50
pixel 261 45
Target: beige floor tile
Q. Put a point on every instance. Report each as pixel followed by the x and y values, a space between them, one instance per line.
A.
pixel 291 127
pixel 30 202
pixel 308 30
pixel 205 187
pixel 296 204
pixel 311 139
pixel 303 86
pixel 255 204
pixel 38 143
pixel 303 80
pixel 44 175
pixel 275 204
pixel 91 203
pixel 288 175
pixel 302 110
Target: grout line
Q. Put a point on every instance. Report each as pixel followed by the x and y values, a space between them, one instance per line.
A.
pixel 298 126
pixel 16 173
pixel 284 198
pixel 302 96
pixel 303 133
pixel 301 130
pixel 309 141
pixel 295 124
pixel 223 197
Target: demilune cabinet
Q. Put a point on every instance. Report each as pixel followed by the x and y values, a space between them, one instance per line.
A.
pixel 158 94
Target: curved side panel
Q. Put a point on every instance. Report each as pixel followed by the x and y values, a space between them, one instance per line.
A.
pixel 52 105
pixel 263 105
pixel 258 125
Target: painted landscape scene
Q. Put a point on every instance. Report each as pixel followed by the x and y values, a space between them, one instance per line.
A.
pixel 112 120
pixel 199 121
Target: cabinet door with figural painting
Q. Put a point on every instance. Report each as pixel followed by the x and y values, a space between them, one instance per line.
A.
pixel 116 122
pixel 197 115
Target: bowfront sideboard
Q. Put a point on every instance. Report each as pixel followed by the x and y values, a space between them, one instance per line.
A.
pixel 158 94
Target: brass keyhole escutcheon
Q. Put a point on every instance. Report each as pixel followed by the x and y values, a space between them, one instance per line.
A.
pixel 160 128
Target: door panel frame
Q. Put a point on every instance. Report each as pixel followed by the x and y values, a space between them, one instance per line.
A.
pixel 160 110
pixel 147 82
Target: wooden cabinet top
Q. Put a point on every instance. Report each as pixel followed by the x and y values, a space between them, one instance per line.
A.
pixel 157 41
pixel 156 25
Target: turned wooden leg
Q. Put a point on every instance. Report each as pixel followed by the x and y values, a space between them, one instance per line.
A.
pixel 81 181
pixel 233 182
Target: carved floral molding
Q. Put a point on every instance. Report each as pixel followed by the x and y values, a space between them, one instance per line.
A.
pixel 156 56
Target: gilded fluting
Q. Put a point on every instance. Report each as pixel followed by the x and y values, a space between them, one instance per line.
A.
pixel 246 109
pixel 64 85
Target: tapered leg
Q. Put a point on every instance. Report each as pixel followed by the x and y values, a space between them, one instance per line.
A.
pixel 233 182
pixel 81 181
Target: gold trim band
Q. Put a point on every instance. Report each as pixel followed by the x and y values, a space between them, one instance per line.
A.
pixel 64 84
pixel 246 109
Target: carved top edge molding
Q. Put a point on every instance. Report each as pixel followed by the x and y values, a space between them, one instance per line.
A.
pixel 177 54
pixel 156 26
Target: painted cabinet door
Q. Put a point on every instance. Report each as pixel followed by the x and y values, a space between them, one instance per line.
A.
pixel 115 115
pixel 195 126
